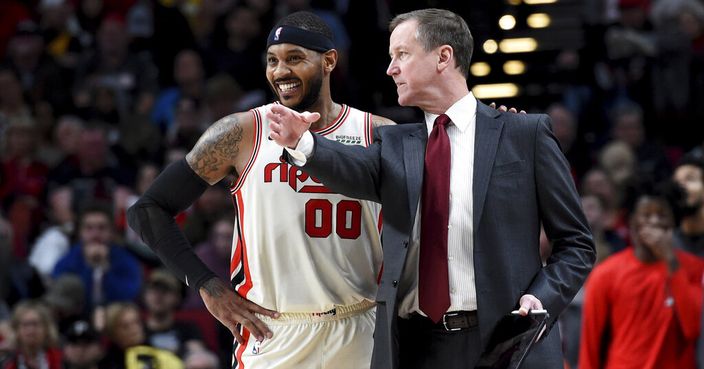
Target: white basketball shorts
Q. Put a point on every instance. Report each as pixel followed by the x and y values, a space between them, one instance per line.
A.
pixel 341 338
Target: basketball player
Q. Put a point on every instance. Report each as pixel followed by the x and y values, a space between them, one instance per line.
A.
pixel 305 261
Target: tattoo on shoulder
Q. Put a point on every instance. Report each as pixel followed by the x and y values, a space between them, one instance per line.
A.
pixel 214 153
pixel 214 287
pixel 378 121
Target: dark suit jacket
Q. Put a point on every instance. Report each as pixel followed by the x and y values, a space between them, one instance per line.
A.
pixel 521 178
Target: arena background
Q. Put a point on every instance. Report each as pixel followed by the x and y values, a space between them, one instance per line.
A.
pixel 96 96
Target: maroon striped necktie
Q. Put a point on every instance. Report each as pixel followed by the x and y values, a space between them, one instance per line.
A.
pixel 433 280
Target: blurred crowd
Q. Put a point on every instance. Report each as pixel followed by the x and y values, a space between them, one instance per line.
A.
pixel 97 96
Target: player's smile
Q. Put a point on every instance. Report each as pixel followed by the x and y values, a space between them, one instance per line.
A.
pixel 288 88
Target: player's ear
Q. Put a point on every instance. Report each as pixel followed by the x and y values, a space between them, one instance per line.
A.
pixel 329 60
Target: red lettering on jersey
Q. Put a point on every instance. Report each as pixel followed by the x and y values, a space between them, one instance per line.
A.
pixel 296 175
pixel 293 176
pixel 269 172
pixel 314 189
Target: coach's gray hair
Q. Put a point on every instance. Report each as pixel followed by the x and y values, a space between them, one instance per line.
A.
pixel 437 27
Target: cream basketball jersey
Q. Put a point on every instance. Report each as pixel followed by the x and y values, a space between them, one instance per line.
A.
pixel 298 247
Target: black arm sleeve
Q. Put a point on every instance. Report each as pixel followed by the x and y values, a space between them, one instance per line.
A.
pixel 152 217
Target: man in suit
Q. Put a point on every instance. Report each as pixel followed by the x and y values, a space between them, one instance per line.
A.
pixel 464 198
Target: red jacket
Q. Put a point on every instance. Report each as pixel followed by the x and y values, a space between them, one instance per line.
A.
pixel 637 316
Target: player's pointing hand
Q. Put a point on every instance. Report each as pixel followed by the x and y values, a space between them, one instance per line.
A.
pixel 232 309
pixel 287 125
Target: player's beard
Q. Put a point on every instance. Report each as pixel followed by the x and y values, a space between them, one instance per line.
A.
pixel 313 94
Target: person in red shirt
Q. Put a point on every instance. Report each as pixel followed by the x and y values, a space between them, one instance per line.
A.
pixel 642 305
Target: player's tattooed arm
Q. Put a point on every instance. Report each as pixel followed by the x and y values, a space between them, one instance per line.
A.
pixel 215 287
pixel 378 121
pixel 218 150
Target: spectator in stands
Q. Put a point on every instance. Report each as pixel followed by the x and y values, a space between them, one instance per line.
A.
pixel 60 35
pixel 113 68
pixel 651 163
pixel 597 182
pixel 37 338
pixel 630 50
pixel 23 182
pixel 642 306
pixel 7 336
pixel 618 161
pixel 210 206
pixel 65 140
pixel 215 253
pixel 189 75
pixel 162 297
pixel 108 271
pixel 689 236
pixel 95 173
pixel 565 126
pixel 82 348
pixel 18 280
pixel 54 242
pixel 679 71
pixel 12 100
pixel 189 124
pixel 223 96
pixel 67 300
pixel 236 50
pixel 11 13
pixel 89 16
pixel 203 17
pixel 146 174
pixel 42 80
pixel 605 243
pixel 126 350
pixel 160 29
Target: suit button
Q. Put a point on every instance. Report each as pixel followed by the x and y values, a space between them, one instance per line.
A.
pixel 395 283
pixel 405 244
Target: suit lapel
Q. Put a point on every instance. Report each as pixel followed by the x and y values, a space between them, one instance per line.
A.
pixel 413 157
pixel 488 131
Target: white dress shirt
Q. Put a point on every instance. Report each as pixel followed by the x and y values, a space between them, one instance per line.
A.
pixel 460 241
pixel 461 132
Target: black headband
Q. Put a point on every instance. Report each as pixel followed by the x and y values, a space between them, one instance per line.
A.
pixel 298 36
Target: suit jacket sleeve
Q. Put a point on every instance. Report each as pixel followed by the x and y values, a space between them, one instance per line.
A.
pixel 351 170
pixel 564 222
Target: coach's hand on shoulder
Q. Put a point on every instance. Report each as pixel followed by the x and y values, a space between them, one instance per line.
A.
pixel 232 309
pixel 287 125
pixel 503 108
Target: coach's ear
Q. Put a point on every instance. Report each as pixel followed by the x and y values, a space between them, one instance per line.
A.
pixel 329 60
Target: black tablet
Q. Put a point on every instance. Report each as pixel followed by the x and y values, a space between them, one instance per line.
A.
pixel 512 339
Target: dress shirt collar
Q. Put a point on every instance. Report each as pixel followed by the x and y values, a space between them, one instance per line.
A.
pixel 462 113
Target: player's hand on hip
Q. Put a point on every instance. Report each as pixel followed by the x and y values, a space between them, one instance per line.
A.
pixel 528 303
pixel 232 309
pixel 287 125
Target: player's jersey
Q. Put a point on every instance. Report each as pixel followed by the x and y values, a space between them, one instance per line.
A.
pixel 298 247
